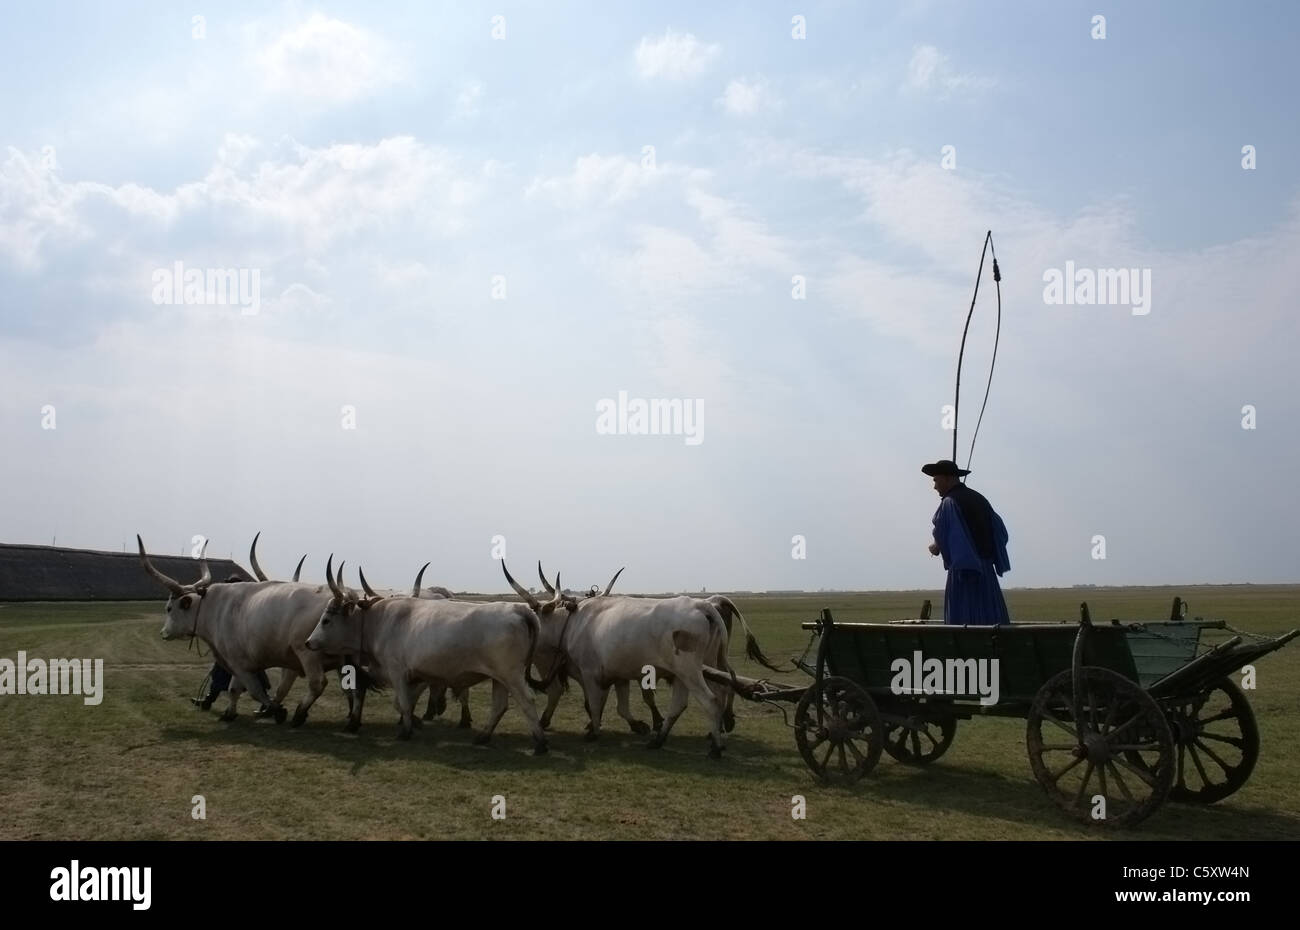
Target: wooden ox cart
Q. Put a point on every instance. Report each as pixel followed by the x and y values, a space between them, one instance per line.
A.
pixel 1120 715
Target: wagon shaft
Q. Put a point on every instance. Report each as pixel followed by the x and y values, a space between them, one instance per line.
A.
pixel 754 689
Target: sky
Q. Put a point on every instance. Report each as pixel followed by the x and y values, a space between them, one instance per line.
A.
pixel 459 234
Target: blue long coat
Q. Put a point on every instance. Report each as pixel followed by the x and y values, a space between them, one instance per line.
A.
pixel 973 594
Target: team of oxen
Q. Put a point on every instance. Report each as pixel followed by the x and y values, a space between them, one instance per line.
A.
pixel 430 639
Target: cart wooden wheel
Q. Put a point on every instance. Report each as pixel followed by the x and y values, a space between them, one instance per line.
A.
pixel 920 741
pixel 1085 765
pixel 1217 740
pixel 845 743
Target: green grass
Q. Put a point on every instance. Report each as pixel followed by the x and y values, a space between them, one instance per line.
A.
pixel 127 769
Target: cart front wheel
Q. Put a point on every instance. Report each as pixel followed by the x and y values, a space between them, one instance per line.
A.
pixel 1217 740
pixel 920 741
pixel 842 742
pixel 1085 762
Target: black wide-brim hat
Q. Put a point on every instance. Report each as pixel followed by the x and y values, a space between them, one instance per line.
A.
pixel 944 467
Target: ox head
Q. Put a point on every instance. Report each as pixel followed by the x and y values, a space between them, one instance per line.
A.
pixel 336 631
pixel 543 609
pixel 183 599
pixel 593 592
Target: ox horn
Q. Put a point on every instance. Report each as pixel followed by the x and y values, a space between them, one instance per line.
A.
pixel 171 583
pixel 542 575
pixel 329 577
pixel 206 578
pixel 610 586
pixel 415 588
pixel 520 589
pixel 297 571
pixel 344 591
pixel 252 558
pixel 365 585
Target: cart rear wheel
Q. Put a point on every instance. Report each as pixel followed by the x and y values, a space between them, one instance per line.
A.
pixel 1078 762
pixel 845 743
pixel 921 740
pixel 1217 740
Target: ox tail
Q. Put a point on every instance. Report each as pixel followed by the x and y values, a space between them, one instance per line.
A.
pixel 534 631
pixel 752 650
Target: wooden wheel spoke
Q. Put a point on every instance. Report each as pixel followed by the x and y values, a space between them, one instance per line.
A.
pixel 1123 726
pixel 853 748
pixel 1119 782
pixel 1215 756
pixel 1229 714
pixel 826 758
pixel 1147 777
pixel 1200 769
pixel 1060 747
pixel 1110 719
pixel 1051 718
pixel 1055 777
pixel 1236 742
pixel 1083 786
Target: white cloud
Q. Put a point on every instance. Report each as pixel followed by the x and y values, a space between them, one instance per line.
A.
pixel 600 179
pixel 675 57
pixel 328 60
pixel 930 71
pixel 467 100
pixel 745 98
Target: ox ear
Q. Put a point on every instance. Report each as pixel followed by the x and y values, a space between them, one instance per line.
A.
pixel 370 602
pixel 185 602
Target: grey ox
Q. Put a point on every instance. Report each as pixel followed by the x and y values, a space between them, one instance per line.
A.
pixel 253 626
pixel 609 641
pixel 406 641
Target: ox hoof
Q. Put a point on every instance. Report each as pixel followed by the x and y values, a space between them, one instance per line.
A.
pixel 417 722
pixel 715 752
pixel 728 722
pixel 639 727
pixel 465 722
pixel 482 739
pixel 227 715
pixel 545 723
pixel 541 749
pixel 403 733
pixel 299 717
pixel 590 736
pixel 656 743
pixel 280 714
pixel 658 723
pixel 429 714
pixel 353 725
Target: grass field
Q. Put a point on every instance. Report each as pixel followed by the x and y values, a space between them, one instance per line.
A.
pixel 128 768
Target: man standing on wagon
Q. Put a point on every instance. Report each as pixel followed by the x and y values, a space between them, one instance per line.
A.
pixel 972 539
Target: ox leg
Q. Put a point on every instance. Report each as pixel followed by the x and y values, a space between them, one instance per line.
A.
pixel 712 707
pixel 596 696
pixel 287 677
pixel 437 703
pixel 465 720
pixel 656 718
pixel 311 665
pixel 553 692
pixel 524 698
pixel 675 708
pixel 638 727
pixel 235 690
pixel 251 683
pixel 404 700
pixel 500 700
